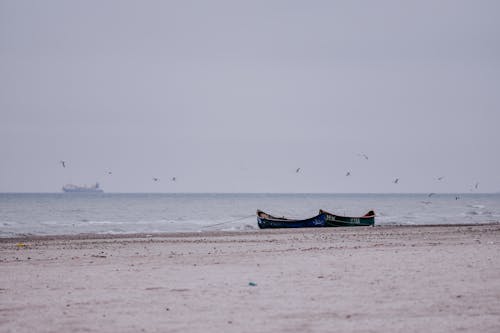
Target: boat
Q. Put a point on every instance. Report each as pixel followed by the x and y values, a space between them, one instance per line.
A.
pixel 70 188
pixel 333 220
pixel 267 221
pixel 323 219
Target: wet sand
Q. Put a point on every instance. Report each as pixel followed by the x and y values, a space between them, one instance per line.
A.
pixel 382 279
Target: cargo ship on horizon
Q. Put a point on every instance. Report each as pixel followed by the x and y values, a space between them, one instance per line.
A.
pixel 70 188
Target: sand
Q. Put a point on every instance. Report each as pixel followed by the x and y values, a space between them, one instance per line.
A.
pixel 382 279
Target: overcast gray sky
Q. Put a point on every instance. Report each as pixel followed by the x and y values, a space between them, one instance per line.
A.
pixel 234 96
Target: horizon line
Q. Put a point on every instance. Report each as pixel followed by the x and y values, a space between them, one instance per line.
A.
pixel 100 193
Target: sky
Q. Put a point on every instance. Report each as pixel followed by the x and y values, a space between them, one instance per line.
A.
pixel 235 96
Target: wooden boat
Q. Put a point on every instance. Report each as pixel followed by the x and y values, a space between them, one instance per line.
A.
pixel 323 219
pixel 333 220
pixel 267 221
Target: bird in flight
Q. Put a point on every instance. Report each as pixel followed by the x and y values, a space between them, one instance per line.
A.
pixel 156 179
pixel 440 178
pixel 297 171
pixel 476 186
pixel 174 179
pixel 363 155
pixel 396 181
pixel 348 173
pixel 110 173
pixel 431 194
pixel 63 163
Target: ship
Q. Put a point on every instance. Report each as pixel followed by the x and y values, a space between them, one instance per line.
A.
pixel 70 188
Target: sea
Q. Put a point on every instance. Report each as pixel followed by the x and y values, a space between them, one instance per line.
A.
pixel 24 214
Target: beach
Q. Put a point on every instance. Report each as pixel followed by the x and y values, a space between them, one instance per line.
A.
pixel 442 278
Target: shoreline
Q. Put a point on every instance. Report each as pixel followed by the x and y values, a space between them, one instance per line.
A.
pixel 209 233
pixel 362 279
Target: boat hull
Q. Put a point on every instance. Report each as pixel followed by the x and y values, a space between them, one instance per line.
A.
pixel 270 222
pixel 332 220
pixel 70 188
pixel 82 191
pixel 322 220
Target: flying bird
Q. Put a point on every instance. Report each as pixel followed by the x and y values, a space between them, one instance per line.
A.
pixel 174 179
pixel 440 178
pixel 110 173
pixel 396 181
pixel 476 186
pixel 363 155
pixel 63 163
pixel 431 194
pixel 156 179
pixel 348 173
pixel 297 171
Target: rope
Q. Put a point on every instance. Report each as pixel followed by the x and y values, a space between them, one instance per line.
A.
pixel 236 220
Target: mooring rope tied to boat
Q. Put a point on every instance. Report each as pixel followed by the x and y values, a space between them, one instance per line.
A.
pixel 235 220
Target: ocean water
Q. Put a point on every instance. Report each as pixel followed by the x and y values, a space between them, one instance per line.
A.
pixel 56 214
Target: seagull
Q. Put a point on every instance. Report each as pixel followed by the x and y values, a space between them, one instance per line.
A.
pixel 396 180
pixel 63 163
pixel 476 186
pixel 174 179
pixel 297 171
pixel 110 173
pixel 363 155
pixel 431 194
pixel 348 173
pixel 440 178
pixel 156 179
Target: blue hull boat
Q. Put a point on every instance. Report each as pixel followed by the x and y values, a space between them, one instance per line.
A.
pixel 267 221
pixel 323 219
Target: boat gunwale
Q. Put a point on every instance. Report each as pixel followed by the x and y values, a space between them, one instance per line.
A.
pixel 366 216
pixel 283 219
